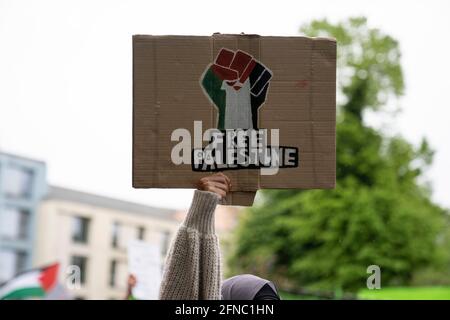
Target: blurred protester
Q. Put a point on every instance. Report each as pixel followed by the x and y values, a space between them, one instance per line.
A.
pixel 131 283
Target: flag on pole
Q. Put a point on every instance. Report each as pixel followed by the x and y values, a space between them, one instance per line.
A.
pixel 35 283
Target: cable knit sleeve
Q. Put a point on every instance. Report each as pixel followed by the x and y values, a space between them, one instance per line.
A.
pixel 192 270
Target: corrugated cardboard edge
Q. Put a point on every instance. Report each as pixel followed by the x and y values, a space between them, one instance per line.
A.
pixel 332 185
pixel 240 198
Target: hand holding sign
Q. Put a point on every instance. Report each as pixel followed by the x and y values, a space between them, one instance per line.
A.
pixel 217 183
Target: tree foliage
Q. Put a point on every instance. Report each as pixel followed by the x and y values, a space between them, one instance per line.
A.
pixel 380 213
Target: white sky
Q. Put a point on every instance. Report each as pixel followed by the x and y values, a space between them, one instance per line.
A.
pixel 66 86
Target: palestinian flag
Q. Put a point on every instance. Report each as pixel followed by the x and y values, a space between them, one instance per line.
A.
pixel 34 283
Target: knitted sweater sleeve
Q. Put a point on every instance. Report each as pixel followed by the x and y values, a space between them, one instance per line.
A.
pixel 192 270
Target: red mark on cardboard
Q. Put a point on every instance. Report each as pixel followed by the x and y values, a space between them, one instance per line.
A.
pixel 302 83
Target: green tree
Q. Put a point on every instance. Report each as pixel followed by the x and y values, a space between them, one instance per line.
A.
pixel 379 212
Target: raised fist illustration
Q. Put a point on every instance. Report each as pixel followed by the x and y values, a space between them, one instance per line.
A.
pixel 237 85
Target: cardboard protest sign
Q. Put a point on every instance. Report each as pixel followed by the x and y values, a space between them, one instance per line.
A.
pixel 263 109
pixel 144 262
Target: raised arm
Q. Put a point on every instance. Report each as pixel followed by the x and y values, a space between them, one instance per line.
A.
pixel 193 270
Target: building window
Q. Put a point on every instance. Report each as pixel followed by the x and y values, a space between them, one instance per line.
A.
pixel 14 223
pixel 165 237
pixel 11 263
pixel 21 261
pixel 115 234
pixel 118 274
pixel 141 233
pixel 80 262
pixel 122 234
pixel 112 273
pixel 18 182
pixel 80 229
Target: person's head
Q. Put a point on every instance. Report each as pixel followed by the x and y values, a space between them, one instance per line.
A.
pixel 248 287
pixel 131 281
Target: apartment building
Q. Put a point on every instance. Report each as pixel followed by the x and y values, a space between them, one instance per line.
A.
pixel 22 186
pixel 92 232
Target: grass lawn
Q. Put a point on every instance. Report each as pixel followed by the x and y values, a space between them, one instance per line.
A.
pixel 405 293
pixel 394 293
pixel 290 296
